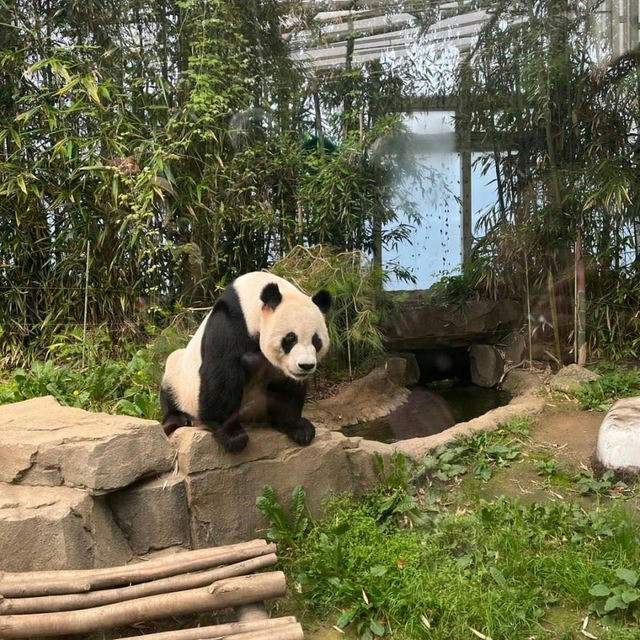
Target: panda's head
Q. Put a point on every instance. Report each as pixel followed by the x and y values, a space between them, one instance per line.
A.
pixel 293 332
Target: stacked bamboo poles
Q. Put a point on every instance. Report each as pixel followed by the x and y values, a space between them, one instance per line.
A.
pixel 46 603
pixel 286 628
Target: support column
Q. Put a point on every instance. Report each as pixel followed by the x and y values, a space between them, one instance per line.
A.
pixel 463 137
pixel 465 186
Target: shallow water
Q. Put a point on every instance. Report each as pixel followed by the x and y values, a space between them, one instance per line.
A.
pixel 431 409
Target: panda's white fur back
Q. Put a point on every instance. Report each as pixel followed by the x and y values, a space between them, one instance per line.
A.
pixel 182 373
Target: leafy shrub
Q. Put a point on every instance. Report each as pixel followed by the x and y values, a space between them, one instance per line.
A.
pixel 599 395
pixel 127 384
pixel 358 304
pixel 618 596
pixel 479 452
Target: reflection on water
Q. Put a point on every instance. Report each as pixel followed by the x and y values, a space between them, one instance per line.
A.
pixel 431 410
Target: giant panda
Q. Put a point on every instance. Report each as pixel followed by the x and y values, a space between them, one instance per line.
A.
pixel 249 360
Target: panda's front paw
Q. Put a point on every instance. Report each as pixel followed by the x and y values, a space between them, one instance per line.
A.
pixel 303 432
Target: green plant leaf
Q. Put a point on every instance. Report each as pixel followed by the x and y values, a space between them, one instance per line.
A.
pixel 376 628
pixel 630 595
pixel 627 575
pixel 600 590
pixel 614 602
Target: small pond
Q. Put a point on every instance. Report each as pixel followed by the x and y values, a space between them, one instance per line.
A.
pixel 430 409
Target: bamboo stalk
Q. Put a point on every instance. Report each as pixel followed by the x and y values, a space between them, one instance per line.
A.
pixel 225 593
pixel 554 315
pixel 82 574
pixel 229 629
pixel 290 632
pixel 67 602
pixel 185 562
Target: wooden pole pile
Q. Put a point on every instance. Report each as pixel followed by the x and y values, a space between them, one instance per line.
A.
pixel 49 603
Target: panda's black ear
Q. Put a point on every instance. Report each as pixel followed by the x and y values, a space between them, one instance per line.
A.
pixel 271 295
pixel 322 300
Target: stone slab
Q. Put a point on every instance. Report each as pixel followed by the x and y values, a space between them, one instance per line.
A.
pixel 44 443
pixel 416 323
pixel 486 365
pixel 368 398
pixel 572 377
pixel 153 514
pixel 222 488
pixel 57 528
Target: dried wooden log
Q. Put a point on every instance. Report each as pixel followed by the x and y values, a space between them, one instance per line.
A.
pixel 179 563
pixel 223 630
pixel 83 574
pixel 290 632
pixel 231 592
pixel 71 601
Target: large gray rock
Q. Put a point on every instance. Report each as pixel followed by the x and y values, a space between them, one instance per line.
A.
pixel 153 514
pixel 486 365
pixel 57 528
pixel 223 488
pixel 417 323
pixel 619 437
pixel 368 398
pixel 572 377
pixel 44 443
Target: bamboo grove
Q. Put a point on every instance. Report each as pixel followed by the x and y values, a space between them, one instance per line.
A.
pixel 157 149
pixel 151 150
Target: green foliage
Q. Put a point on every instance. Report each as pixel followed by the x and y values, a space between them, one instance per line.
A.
pixel 619 595
pixel 547 467
pixel 161 143
pixel 479 452
pixel 497 567
pixel 284 530
pixel 600 394
pixel 127 384
pixel 604 485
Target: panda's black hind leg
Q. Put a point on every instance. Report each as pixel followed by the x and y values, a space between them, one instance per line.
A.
pixel 172 417
pixel 174 421
pixel 230 434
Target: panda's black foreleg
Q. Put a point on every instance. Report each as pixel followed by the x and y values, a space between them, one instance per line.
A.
pixel 285 400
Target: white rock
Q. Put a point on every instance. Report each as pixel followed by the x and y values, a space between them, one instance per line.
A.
pixel 619 437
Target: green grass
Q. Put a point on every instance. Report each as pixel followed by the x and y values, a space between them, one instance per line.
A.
pixel 615 383
pixel 409 561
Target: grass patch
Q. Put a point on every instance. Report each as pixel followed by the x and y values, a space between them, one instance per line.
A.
pixel 407 562
pixel 614 384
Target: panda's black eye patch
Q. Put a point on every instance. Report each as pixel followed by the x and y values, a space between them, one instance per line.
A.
pixel 289 341
pixel 316 342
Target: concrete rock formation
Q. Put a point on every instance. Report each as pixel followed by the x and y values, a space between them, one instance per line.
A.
pixel 368 398
pixel 416 323
pixel 618 445
pixel 82 490
pixel 486 365
pixel 45 444
pixel 57 528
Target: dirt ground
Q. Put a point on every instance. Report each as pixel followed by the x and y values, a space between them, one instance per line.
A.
pixel 570 433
